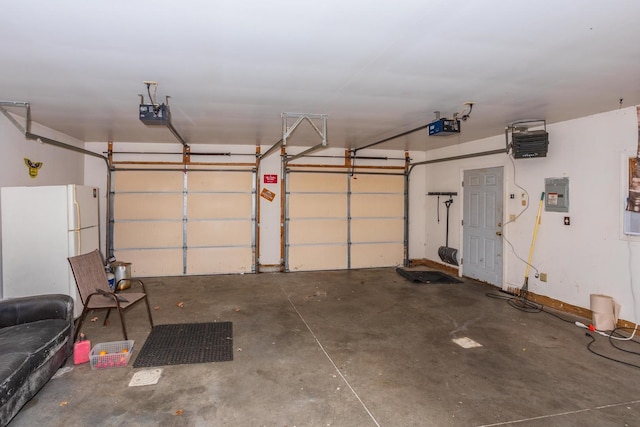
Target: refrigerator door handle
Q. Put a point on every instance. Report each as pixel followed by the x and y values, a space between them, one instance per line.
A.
pixel 77 242
pixel 77 220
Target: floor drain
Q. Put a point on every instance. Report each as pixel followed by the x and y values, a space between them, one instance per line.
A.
pixel 466 342
pixel 146 377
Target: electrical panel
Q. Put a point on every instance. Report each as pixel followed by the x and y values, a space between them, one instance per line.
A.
pixel 632 223
pixel 151 114
pixel 556 194
pixel 444 127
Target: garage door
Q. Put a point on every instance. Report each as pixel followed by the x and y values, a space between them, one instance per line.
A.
pixel 337 221
pixel 169 222
pixel 377 220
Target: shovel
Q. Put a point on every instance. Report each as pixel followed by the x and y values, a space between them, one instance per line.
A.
pixel 447 254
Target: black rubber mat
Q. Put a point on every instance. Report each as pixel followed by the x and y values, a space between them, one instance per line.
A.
pixel 421 276
pixel 181 344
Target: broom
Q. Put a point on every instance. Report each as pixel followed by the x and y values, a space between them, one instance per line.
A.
pixel 524 291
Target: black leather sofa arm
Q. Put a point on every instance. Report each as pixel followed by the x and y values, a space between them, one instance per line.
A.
pixel 17 311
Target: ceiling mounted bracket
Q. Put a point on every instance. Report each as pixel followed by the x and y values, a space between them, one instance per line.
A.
pixel 317 121
pixel 23 129
pixel 26 130
pixel 154 114
pixel 321 130
pixel 287 130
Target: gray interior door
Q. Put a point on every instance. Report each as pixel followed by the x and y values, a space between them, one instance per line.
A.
pixel 482 225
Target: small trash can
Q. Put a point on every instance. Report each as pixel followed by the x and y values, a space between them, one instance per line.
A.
pixel 122 271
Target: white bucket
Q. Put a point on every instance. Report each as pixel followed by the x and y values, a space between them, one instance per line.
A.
pixel 122 272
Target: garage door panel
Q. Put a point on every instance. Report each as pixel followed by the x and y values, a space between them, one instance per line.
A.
pixel 147 206
pixel 371 213
pixel 377 255
pixel 220 181
pixel 150 213
pixel 318 206
pixel 157 234
pixel 200 206
pixel 218 233
pixel 377 205
pixel 377 184
pixel 377 230
pixel 219 260
pixel 148 181
pixel 313 182
pixel 152 262
pixel 321 257
pixel 318 231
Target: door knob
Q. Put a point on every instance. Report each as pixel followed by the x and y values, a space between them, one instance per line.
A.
pixel 498 233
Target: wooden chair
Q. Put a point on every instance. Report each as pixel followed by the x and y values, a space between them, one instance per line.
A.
pixel 95 293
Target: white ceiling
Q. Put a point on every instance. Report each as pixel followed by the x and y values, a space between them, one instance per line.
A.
pixel 375 68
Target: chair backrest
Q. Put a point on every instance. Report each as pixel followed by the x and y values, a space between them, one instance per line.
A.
pixel 88 269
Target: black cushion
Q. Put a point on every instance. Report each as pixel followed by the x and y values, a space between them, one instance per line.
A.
pixel 14 368
pixel 40 339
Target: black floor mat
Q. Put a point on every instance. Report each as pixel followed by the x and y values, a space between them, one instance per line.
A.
pixel 181 344
pixel 421 276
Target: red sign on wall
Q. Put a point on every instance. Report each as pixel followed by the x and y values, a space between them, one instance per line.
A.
pixel 270 178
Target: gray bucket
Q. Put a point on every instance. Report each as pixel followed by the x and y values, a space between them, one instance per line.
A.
pixel 122 271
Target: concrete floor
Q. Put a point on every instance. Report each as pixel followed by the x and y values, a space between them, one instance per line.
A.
pixel 351 348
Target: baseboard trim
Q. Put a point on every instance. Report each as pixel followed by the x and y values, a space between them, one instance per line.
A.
pixel 539 299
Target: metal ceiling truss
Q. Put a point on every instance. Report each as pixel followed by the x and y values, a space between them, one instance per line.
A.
pixel 288 129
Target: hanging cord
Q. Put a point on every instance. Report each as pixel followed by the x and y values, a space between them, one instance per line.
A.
pixel 531 307
pixel 515 182
pixel 631 282
pixel 513 249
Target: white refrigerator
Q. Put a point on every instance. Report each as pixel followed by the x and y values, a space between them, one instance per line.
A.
pixel 41 227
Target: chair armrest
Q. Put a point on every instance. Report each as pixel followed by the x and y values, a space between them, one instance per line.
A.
pixel 21 310
pixel 112 294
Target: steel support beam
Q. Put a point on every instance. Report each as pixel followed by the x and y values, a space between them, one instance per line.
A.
pixel 460 157
pixel 271 149
pixel 355 150
pixel 26 130
pixel 177 135
pixel 307 151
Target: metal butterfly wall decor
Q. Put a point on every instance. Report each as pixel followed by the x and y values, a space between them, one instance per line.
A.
pixel 33 167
